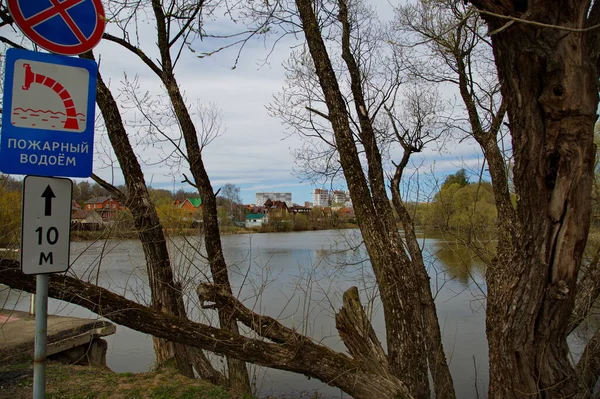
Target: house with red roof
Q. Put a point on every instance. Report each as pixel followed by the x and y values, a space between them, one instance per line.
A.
pixel 190 204
pixel 106 206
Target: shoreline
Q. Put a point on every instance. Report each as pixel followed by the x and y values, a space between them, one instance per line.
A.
pixel 77 235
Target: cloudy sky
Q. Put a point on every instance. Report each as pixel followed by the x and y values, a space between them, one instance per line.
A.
pixel 254 149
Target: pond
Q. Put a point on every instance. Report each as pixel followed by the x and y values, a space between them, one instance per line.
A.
pixel 297 278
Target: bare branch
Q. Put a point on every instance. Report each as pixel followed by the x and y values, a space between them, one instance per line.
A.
pixel 11 43
pixel 118 194
pixel 137 51
pixel 188 181
pixel 321 114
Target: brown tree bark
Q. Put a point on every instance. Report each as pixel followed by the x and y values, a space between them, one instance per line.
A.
pixel 401 282
pixel 238 372
pixel 438 366
pixel 549 83
pixel 166 295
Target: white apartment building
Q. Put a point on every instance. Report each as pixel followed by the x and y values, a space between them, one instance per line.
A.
pixel 320 197
pixel 261 198
pixel 340 197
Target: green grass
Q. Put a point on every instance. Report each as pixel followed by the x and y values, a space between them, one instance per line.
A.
pixel 166 392
pixel 83 382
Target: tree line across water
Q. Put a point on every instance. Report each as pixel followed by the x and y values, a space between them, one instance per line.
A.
pixel 176 221
pixel 463 209
pixel 459 207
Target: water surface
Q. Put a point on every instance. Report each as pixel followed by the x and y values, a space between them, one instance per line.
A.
pixel 298 278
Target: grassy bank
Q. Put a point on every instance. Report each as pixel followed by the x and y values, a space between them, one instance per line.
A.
pixel 85 382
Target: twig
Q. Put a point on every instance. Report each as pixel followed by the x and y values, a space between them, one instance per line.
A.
pixel 534 23
pixel 475 368
pixel 186 180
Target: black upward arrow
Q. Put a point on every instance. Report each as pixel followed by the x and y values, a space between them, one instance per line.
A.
pixel 48 194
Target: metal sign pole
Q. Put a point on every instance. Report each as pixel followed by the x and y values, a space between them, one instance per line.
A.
pixel 41 325
pixel 32 304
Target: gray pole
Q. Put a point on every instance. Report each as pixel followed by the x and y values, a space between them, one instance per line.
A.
pixel 41 325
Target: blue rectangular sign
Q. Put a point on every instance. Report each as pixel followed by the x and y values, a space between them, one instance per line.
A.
pixel 48 115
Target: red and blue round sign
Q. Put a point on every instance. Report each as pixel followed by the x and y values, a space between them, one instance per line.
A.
pixel 67 27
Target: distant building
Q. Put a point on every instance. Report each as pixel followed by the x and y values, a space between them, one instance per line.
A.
pixel 255 220
pixel 106 206
pixel 340 197
pixel 191 209
pixel 321 197
pixel 189 204
pixel 279 208
pixel 255 209
pixel 86 219
pixel 261 198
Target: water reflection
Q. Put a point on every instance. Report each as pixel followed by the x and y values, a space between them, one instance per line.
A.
pixel 298 278
pixel 461 262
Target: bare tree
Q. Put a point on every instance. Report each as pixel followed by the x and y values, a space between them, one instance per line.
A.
pixel 403 283
pixel 231 193
pixel 445 44
pixel 166 293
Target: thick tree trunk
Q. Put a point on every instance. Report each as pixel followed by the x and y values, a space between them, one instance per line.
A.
pixel 166 296
pixel 550 85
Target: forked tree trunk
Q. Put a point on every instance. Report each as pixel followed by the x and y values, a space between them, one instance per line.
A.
pixel 550 86
pixel 399 284
pixel 166 296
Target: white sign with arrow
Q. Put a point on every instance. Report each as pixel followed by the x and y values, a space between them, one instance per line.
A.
pixel 46 225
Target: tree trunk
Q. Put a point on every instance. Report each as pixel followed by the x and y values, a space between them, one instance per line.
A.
pixel 166 296
pixel 438 365
pixel 549 84
pixel 398 283
pixel 238 372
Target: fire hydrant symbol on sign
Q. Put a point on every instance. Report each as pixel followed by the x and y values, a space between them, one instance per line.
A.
pixel 49 96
